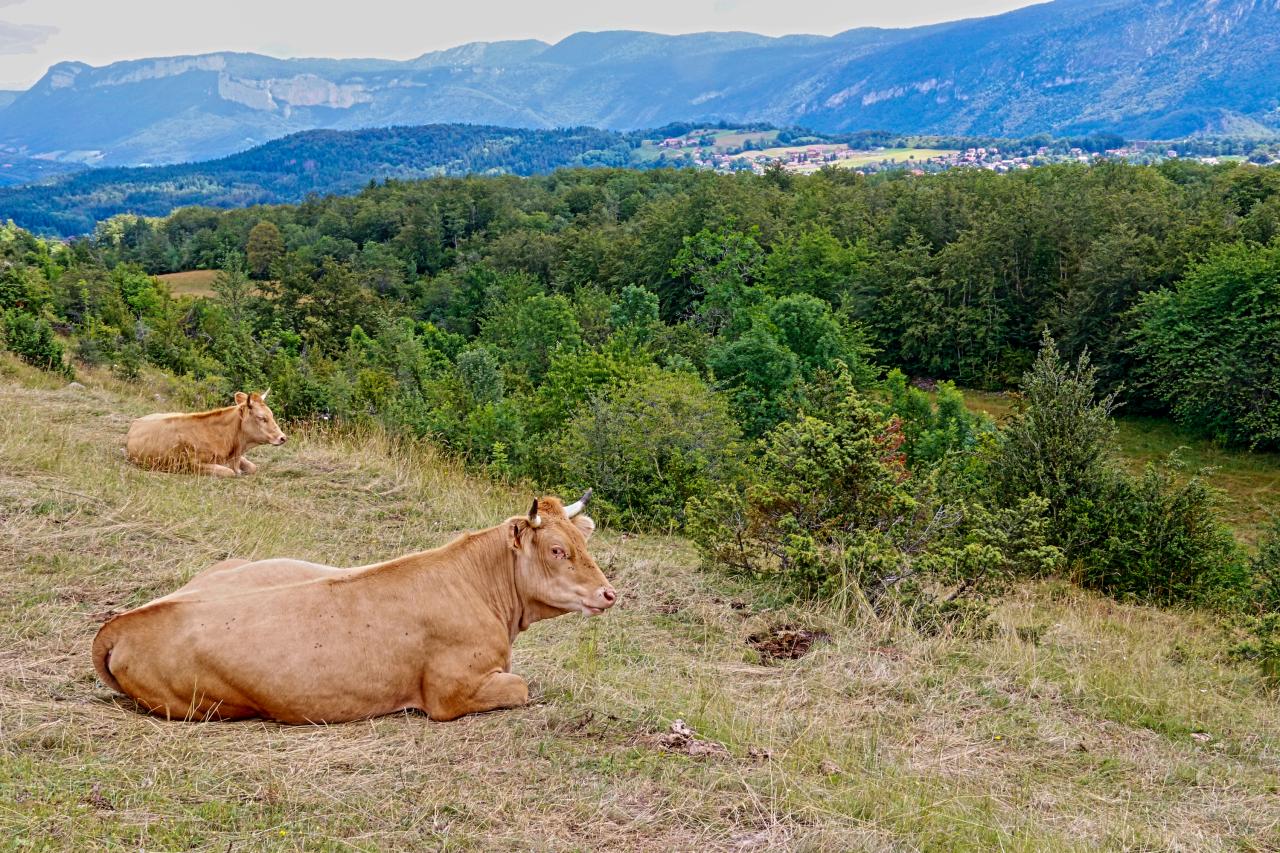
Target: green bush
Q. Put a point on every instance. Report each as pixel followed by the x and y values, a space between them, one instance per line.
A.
pixel 1151 538
pixel 128 363
pixel 1261 605
pixel 932 430
pixel 1158 539
pixel 833 513
pixel 32 339
pixel 1264 572
pixel 1059 444
pixel 481 373
pixel 647 446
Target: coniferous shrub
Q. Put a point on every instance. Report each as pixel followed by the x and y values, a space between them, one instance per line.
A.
pixel 833 512
pixel 32 339
pixel 1158 538
pixel 1151 538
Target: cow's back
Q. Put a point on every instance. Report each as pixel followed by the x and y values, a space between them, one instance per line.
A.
pixel 231 577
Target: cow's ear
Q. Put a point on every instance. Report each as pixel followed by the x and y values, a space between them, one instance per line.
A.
pixel 585 524
pixel 241 398
pixel 515 528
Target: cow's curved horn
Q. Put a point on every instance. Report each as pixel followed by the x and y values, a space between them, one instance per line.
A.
pixel 579 505
pixel 535 520
pixel 264 395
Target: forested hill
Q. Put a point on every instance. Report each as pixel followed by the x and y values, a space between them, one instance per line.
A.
pixel 1153 69
pixel 319 161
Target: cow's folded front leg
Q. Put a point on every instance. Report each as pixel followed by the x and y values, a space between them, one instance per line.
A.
pixel 215 470
pixel 494 691
pixel 247 467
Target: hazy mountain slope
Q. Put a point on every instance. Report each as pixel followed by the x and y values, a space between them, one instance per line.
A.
pixel 1071 65
pixel 1137 67
pixel 319 161
pixel 16 170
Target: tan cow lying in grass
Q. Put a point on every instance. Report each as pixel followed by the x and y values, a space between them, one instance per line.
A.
pixel 300 642
pixel 212 442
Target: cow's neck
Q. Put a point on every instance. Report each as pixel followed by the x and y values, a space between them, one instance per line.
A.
pixel 478 565
pixel 233 445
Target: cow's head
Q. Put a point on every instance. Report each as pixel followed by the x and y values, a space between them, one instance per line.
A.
pixel 554 572
pixel 256 420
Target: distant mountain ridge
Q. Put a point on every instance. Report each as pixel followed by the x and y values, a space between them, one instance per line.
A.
pixel 1141 68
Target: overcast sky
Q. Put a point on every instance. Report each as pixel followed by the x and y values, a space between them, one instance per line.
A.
pixel 35 34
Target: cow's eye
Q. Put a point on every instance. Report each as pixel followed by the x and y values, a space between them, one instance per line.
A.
pixel 558 552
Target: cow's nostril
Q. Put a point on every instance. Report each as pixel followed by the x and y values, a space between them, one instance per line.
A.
pixel 608 594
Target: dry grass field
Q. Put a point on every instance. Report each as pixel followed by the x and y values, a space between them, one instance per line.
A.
pixel 190 283
pixel 1081 724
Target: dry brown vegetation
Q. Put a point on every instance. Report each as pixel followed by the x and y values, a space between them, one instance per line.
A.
pixel 190 283
pixel 1080 724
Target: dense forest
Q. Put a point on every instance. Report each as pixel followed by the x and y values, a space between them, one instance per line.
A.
pixel 739 356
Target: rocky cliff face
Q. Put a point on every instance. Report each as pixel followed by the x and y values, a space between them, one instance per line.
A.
pixel 1145 68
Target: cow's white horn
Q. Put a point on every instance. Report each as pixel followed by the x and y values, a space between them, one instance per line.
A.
pixel 264 395
pixel 579 505
pixel 535 520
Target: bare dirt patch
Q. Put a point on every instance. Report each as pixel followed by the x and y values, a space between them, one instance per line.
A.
pixel 785 642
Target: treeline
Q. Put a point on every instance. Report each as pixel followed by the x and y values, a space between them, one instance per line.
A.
pixel 710 352
pixel 948 276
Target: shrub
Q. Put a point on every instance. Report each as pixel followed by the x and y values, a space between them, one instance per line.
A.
pixel 1262 606
pixel 97 342
pixel 932 430
pixel 128 363
pixel 1263 646
pixel 32 339
pixel 647 446
pixel 831 514
pixel 1264 571
pixel 1160 540
pixel 1059 444
pixel 1149 538
pixel 481 374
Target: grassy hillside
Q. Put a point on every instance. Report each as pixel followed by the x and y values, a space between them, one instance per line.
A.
pixel 1081 724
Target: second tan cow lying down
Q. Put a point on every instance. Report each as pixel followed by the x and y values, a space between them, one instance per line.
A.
pixel 212 442
pixel 300 642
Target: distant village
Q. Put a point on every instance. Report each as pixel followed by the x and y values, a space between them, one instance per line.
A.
pixel 701 150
